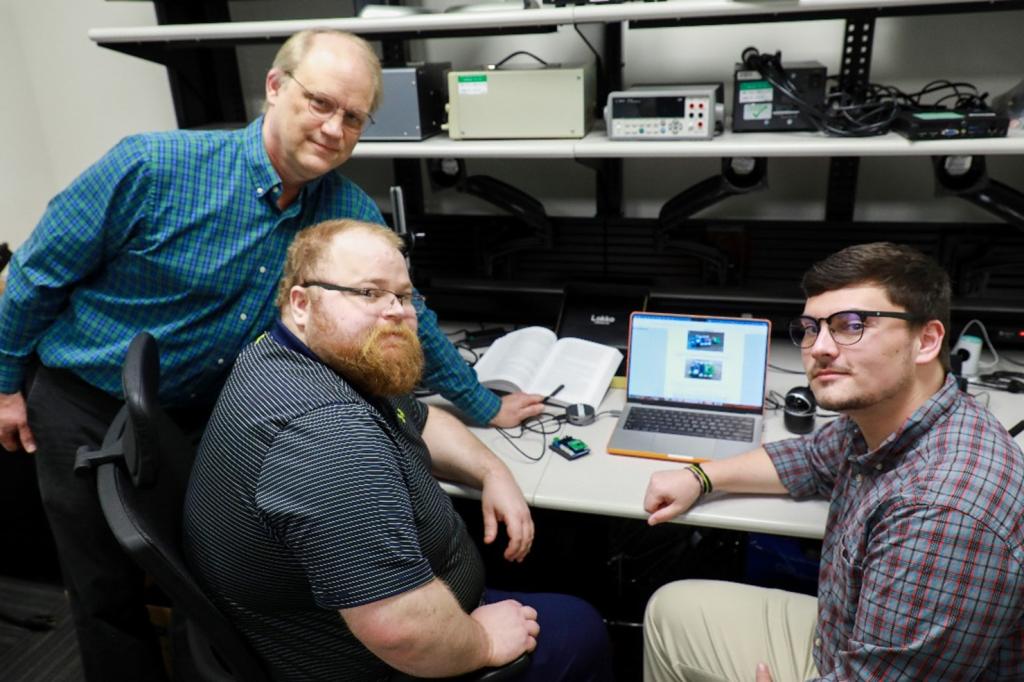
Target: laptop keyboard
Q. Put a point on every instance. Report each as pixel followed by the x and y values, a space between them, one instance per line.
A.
pixel 679 422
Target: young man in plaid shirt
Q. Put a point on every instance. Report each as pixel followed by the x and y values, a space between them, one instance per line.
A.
pixel 921 572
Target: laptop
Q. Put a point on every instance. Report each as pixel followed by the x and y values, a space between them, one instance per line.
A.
pixel 695 387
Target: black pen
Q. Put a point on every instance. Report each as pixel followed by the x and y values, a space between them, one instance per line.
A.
pixel 547 401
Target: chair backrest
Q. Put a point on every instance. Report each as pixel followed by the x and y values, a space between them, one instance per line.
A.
pixel 143 502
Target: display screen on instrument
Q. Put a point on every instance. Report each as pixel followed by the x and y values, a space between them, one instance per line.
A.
pixel 648 107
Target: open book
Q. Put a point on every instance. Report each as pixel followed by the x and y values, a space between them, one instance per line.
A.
pixel 534 360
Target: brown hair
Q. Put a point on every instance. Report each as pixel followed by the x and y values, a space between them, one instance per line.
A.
pixel 310 246
pixel 911 280
pixel 295 49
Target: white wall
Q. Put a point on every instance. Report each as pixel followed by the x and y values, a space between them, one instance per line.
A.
pixel 68 100
pixel 25 173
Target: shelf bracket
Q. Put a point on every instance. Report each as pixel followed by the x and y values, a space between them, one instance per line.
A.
pixel 739 176
pixel 967 177
pixel 854 77
pixel 527 209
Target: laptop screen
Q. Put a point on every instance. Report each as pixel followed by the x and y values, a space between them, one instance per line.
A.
pixel 691 361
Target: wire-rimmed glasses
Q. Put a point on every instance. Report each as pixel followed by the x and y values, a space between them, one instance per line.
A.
pixel 372 296
pixel 324 108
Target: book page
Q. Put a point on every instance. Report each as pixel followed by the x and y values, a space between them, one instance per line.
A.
pixel 584 368
pixel 512 361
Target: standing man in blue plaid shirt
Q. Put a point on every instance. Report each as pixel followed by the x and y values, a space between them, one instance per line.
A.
pixel 182 234
pixel 922 563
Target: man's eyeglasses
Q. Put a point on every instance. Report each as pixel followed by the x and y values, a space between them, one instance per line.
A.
pixel 324 108
pixel 845 326
pixel 375 298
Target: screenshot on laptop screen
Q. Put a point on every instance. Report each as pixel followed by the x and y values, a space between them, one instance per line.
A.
pixel 698 360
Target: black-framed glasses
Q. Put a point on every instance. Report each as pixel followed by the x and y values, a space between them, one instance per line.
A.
pixel 324 108
pixel 371 296
pixel 845 326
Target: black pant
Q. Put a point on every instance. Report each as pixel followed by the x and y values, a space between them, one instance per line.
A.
pixel 105 588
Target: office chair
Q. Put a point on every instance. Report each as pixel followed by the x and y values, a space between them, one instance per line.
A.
pixel 142 471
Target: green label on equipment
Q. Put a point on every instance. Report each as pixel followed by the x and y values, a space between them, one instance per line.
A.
pixel 473 84
pixel 754 91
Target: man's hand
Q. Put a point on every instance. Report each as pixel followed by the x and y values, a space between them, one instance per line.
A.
pixel 515 407
pixel 669 494
pixel 511 629
pixel 14 431
pixel 503 501
pixel 762 674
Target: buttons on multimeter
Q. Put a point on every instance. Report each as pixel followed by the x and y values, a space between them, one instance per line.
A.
pixel 693 124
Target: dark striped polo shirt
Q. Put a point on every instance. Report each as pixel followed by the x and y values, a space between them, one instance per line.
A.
pixel 307 498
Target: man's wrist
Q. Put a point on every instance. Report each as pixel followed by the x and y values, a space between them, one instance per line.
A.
pixel 494 469
pixel 11 380
pixel 702 478
pixel 490 406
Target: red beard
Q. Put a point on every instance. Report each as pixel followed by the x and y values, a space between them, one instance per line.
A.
pixel 389 361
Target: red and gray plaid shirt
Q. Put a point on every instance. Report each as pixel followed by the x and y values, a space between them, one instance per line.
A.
pixel 922 566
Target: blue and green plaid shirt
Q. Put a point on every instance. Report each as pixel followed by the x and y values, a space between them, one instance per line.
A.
pixel 178 233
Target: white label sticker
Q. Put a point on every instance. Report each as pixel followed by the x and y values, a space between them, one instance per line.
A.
pixel 755 95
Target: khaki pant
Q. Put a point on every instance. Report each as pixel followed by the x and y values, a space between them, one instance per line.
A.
pixel 712 631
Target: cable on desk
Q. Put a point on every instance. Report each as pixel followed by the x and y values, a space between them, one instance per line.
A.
pixel 1008 385
pixel 774 400
pixel 530 424
pixel 507 437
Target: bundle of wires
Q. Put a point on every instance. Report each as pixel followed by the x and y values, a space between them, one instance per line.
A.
pixel 868 112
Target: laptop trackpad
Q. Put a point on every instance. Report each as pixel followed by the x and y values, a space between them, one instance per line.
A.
pixel 682 445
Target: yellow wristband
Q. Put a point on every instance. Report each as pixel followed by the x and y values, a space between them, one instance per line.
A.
pixel 702 478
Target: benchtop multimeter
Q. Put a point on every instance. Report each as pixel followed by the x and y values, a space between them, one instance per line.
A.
pixel 662 113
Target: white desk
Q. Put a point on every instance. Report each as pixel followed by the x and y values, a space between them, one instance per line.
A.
pixel 613 485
